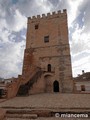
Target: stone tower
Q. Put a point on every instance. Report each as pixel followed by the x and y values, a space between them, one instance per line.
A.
pixel 47 48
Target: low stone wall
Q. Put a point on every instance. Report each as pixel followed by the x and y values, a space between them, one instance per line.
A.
pixel 2 114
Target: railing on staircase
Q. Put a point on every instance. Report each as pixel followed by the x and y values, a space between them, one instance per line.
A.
pixel 28 81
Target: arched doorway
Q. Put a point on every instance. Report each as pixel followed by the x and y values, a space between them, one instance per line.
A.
pixel 56 86
pixel 49 67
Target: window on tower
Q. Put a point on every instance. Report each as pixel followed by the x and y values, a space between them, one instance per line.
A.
pixel 36 26
pixel 49 68
pixel 46 39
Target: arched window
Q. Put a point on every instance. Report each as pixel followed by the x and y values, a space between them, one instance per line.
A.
pixel 56 86
pixel 82 87
pixel 49 68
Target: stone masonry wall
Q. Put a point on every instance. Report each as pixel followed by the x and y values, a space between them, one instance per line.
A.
pixel 55 52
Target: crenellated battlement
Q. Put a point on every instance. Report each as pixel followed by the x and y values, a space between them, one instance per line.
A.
pixel 49 15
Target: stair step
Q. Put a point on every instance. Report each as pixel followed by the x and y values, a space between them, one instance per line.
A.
pixel 38 112
pixel 23 116
pixel 19 111
pixel 19 119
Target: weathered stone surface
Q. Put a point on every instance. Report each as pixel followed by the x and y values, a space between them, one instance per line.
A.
pixel 2 114
pixel 55 52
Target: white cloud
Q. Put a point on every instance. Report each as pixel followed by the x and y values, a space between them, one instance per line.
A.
pixel 11 54
pixel 4 35
pixel 73 11
pixel 44 5
pixel 19 22
pixel 16 22
pixel 80 44
pixel 81 64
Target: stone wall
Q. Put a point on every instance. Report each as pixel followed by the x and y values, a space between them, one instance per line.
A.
pixel 55 52
pixel 2 114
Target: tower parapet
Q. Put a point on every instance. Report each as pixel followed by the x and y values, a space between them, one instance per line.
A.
pixel 49 15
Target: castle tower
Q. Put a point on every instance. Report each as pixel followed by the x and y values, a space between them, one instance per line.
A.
pixel 47 47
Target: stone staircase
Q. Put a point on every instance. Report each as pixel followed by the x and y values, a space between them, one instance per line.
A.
pixel 26 84
pixel 23 84
pixel 15 113
pixel 26 113
pixel 20 114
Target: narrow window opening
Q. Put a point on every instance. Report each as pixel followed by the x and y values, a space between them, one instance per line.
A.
pixel 36 26
pixel 46 39
pixel 49 67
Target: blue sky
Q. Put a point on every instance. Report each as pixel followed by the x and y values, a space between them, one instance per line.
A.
pixel 13 24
